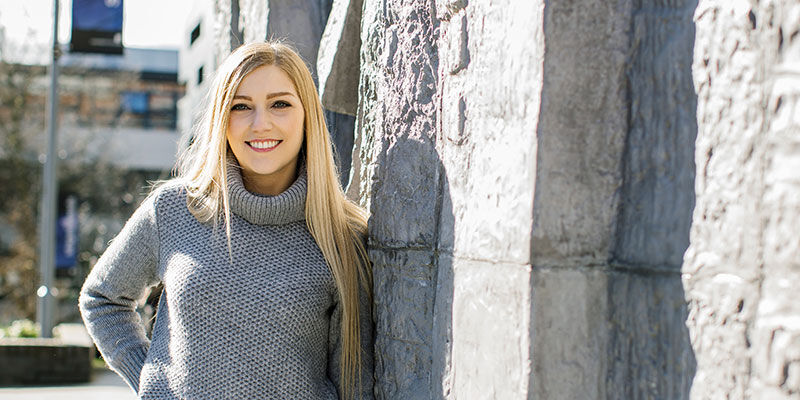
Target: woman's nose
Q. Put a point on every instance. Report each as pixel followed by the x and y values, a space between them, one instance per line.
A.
pixel 261 120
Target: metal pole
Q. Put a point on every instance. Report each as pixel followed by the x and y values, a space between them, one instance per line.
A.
pixel 48 212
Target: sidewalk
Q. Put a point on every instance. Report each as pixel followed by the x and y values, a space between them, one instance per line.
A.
pixel 104 385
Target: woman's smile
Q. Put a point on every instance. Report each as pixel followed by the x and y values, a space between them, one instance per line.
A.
pixel 263 145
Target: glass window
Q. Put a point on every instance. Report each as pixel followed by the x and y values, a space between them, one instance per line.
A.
pixel 136 102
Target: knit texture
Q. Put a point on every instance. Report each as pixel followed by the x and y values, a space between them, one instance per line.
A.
pixel 259 322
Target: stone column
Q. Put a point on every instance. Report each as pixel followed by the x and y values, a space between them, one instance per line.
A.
pixel 528 234
pixel 742 269
pixel 614 195
pixel 528 167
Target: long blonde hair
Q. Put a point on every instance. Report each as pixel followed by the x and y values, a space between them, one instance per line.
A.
pixel 337 224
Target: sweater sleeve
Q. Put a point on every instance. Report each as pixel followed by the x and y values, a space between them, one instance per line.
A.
pixel 109 295
pixel 367 333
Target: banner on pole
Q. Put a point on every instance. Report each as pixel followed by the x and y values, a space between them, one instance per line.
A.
pixel 67 234
pixel 96 26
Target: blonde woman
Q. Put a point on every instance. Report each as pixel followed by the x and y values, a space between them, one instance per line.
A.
pixel 266 282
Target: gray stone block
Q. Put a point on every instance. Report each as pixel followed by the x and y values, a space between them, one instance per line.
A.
pixel 405 185
pixel 253 20
pixel 775 335
pixel 490 327
pixel 405 195
pixel 369 116
pixel 721 306
pixel 650 355
pixel 488 119
pixel 338 59
pixel 442 373
pixel 741 266
pixel 456 45
pixel 446 8
pixel 657 196
pixel 404 282
pixel 226 28
pixel 410 358
pixel 404 292
pixel 569 334
pixel 300 23
pixel 583 122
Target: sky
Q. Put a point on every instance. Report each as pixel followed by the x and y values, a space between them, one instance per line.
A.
pixel 147 23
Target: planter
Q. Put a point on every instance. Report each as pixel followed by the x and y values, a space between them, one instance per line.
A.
pixel 43 362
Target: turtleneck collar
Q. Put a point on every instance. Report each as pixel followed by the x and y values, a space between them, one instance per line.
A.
pixel 258 209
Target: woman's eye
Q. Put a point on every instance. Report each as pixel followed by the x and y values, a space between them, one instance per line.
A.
pixel 281 104
pixel 239 107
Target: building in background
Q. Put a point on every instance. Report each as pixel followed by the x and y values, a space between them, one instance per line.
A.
pixel 121 108
pixel 197 62
pixel 117 130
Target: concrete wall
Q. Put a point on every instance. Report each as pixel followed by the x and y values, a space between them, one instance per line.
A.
pixel 530 170
pixel 545 263
pixel 743 266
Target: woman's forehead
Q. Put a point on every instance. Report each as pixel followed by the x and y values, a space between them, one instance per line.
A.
pixel 265 80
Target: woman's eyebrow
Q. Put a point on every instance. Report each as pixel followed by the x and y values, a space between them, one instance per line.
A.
pixel 278 94
pixel 269 96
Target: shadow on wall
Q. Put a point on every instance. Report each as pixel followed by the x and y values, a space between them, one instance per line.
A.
pixel 412 323
pixel 650 345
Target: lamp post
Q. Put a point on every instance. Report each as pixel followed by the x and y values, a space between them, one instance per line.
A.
pixel 47 214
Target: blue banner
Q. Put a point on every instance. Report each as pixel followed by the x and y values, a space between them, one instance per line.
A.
pixel 67 235
pixel 96 26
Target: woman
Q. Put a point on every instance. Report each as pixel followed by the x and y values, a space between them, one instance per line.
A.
pixel 266 281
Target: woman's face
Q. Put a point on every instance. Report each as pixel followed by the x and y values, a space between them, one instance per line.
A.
pixel 265 130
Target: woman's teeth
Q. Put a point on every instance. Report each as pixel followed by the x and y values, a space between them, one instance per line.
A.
pixel 264 144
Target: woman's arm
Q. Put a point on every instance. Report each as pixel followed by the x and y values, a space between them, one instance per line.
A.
pixel 367 333
pixel 108 297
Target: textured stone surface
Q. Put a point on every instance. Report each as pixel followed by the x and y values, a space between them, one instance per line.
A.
pixel 489 113
pixel 570 338
pixel 497 137
pixel 741 269
pixel 404 188
pixel 253 20
pixel 491 320
pixel 649 354
pixel 342 130
pixel 604 333
pixel 226 28
pixel 338 58
pixel 776 331
pixel 657 195
pixel 614 191
pixel 404 303
pixel 581 132
pixel 301 23
pixel 528 167
pixel 397 175
pixel 369 115
pixel 419 91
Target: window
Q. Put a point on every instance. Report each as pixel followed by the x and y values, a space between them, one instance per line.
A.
pixel 136 102
pixel 200 75
pixel 195 34
pixel 147 109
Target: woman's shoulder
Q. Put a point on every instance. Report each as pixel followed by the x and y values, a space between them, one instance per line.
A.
pixel 168 193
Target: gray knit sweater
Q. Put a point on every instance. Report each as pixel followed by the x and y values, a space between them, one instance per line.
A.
pixel 263 324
